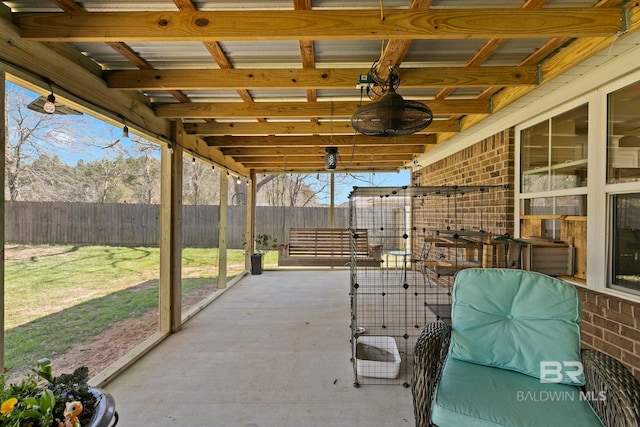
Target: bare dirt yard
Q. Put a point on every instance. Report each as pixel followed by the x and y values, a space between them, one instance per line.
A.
pixel 107 347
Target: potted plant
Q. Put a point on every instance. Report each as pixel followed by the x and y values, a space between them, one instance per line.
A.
pixel 264 242
pixel 42 400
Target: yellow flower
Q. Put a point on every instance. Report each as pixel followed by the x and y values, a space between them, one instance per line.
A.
pixel 8 405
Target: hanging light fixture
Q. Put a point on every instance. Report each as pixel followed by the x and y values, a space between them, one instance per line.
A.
pixel 125 129
pixel 331 158
pixel 50 104
pixel 390 115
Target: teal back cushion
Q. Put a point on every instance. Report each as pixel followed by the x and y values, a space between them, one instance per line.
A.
pixel 517 320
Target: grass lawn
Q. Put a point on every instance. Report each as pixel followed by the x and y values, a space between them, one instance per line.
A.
pixel 56 296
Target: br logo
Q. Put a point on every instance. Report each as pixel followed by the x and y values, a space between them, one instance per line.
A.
pixel 552 371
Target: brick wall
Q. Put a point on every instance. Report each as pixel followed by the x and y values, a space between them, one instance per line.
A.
pixel 610 324
pixel 489 162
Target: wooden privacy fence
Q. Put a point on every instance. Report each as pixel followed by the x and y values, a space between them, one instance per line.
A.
pixel 116 224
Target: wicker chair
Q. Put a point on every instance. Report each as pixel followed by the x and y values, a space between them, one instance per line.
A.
pixel 602 374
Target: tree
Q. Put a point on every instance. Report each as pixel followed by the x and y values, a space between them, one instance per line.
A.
pixel 201 183
pixel 31 135
pixel 48 178
pixel 142 173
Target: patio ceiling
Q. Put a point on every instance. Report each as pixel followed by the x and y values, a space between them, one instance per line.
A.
pixel 268 85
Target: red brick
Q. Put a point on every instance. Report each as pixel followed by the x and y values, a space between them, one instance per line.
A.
pixel 602 300
pixel 593 309
pixel 618 341
pixel 631 333
pixel 621 318
pixel 614 304
pixel 607 348
pixel 591 330
pixel 606 324
pixel 627 308
pixel 587 340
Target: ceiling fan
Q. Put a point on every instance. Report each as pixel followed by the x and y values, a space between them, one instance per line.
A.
pixel 390 114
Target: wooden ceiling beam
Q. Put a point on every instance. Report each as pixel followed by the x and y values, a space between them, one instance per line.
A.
pixel 344 109
pixel 335 78
pixel 239 152
pixel 296 128
pixel 472 23
pixel 249 161
pixel 311 168
pixel 317 141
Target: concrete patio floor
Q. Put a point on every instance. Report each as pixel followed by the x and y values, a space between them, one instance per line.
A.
pixel 271 351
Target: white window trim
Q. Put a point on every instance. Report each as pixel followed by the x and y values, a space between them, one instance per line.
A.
pixel 519 197
pixel 598 191
pixel 607 190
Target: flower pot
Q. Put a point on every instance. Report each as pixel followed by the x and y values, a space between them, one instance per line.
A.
pixel 104 414
pixel 256 263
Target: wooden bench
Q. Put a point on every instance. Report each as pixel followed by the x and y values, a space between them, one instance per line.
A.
pixel 328 247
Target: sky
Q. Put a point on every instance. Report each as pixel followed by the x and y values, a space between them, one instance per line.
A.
pixel 377 179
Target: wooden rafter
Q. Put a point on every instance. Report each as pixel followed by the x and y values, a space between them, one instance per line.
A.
pixel 296 128
pixel 319 158
pixel 316 141
pixel 307 49
pixel 310 151
pixel 347 166
pixel 336 78
pixel 396 50
pixel 336 109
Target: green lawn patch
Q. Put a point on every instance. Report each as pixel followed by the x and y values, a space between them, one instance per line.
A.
pixel 58 296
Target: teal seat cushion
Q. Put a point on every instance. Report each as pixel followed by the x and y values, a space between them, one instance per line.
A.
pixel 473 395
pixel 517 320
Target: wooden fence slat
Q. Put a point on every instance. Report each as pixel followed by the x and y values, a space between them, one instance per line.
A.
pixel 123 224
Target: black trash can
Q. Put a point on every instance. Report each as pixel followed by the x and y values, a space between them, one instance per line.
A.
pixel 256 263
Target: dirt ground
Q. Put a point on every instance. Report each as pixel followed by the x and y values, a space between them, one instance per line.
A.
pixel 107 347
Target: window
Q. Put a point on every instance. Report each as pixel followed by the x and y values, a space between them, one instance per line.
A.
pixel 551 208
pixel 625 241
pixel 554 152
pixel 552 201
pixel 585 156
pixel 623 139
